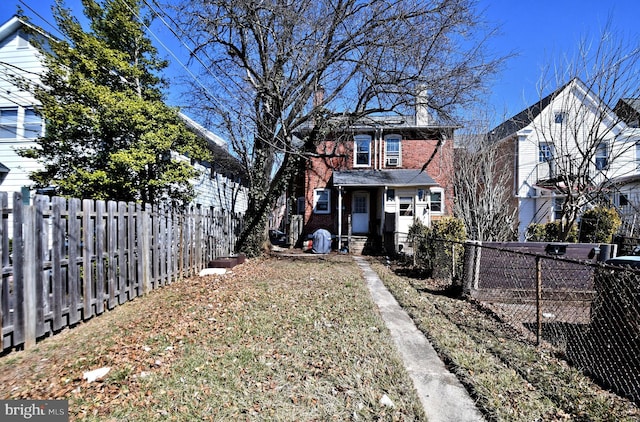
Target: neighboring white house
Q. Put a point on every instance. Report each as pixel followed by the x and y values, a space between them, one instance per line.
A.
pixel 19 124
pixel 566 131
pixel 220 183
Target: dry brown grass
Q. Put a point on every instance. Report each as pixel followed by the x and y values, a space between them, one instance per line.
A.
pixel 511 379
pixel 274 340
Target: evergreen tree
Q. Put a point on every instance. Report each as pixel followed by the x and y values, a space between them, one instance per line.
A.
pixel 109 135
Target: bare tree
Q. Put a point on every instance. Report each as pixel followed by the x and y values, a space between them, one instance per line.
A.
pixel 266 60
pixel 483 197
pixel 585 144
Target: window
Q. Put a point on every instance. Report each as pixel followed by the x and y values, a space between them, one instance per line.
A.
pixel 300 205
pixel 391 194
pixel 623 201
pixel 362 151
pixel 8 122
pixel 32 124
pixel 602 156
pixel 557 208
pixel 559 117
pixel 435 198
pixel 392 150
pixel 322 201
pixel 545 152
pixel 360 204
pixel 638 155
pixel 406 206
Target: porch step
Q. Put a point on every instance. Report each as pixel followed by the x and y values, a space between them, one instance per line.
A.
pixel 357 244
pixel 363 244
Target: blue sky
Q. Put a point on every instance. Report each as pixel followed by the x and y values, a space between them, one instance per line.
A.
pixel 536 31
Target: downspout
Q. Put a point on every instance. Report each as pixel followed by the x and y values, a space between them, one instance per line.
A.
pixel 381 156
pixel 339 217
pixel 382 211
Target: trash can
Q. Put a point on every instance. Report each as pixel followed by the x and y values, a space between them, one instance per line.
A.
pixel 321 241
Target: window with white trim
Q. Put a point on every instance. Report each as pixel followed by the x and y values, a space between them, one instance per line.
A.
pixel 393 150
pixel 362 151
pixel 321 201
pixel 8 122
pixel 32 123
pixel 391 195
pixel 558 203
pixel 436 201
pixel 406 206
pixel 559 117
pixel 602 156
pixel 546 152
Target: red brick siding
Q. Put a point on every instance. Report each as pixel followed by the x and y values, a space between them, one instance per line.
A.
pixel 414 153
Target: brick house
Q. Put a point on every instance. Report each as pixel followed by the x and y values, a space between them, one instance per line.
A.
pixel 367 185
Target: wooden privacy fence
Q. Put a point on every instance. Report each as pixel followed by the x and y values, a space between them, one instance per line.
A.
pixel 67 260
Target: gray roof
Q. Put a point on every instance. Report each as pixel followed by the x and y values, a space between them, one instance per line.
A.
pixel 391 178
pixel 524 118
pixel 3 168
pixel 634 103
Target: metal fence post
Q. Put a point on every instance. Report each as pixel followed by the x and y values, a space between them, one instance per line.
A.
pixel 538 300
pixel 471 272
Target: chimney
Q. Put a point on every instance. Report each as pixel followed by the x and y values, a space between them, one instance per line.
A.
pixel 423 117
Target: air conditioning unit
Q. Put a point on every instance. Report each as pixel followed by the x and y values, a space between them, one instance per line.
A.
pixel 393 161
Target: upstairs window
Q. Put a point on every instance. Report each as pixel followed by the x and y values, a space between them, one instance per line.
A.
pixel 392 151
pixel 8 122
pixel 321 201
pixel 602 156
pixel 362 148
pixel 32 123
pixel 545 152
pixel 559 117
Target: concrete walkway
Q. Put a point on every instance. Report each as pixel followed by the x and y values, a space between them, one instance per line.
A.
pixel 441 394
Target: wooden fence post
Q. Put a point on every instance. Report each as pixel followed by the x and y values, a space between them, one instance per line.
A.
pixel 143 251
pixel 29 275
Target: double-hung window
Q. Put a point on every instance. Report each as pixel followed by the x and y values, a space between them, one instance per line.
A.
pixel 322 201
pixel 8 122
pixel 546 153
pixel 558 204
pixel 392 151
pixel 436 203
pixel 32 123
pixel 602 156
pixel 362 147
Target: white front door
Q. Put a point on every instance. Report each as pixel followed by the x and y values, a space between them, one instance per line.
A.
pixel 360 213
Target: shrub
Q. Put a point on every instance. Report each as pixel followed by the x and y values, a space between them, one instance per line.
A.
pixel 598 225
pixel 439 247
pixel 550 232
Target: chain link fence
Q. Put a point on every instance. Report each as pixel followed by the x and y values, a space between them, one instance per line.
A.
pixel 565 299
